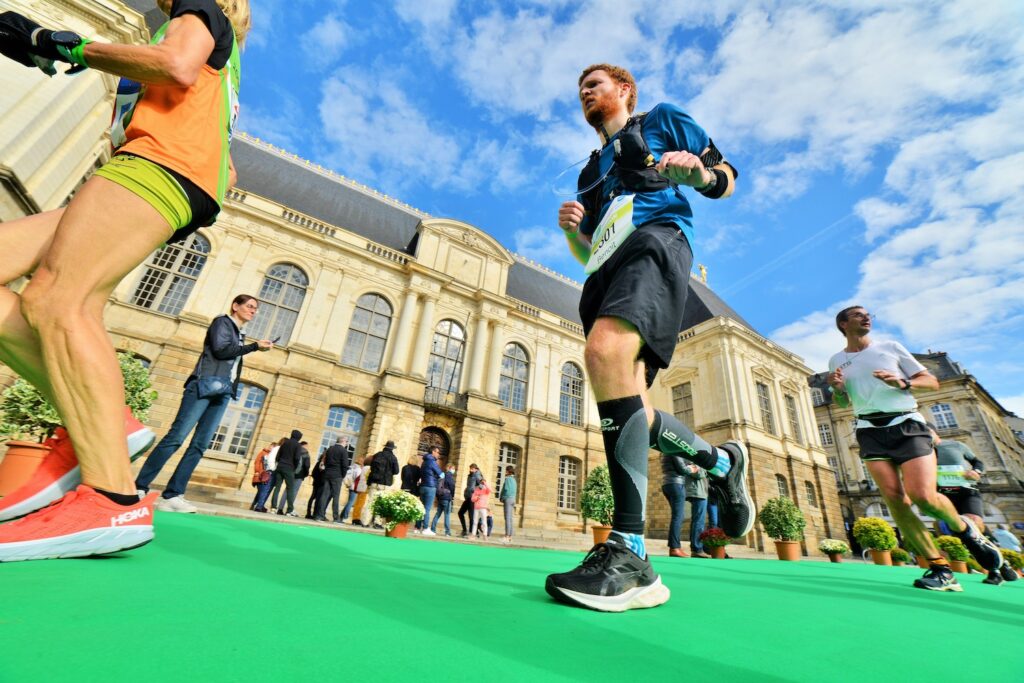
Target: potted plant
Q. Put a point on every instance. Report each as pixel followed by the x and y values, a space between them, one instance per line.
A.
pixel 876 535
pixel 1014 559
pixel 715 539
pixel 899 556
pixel 398 509
pixel 834 549
pixel 783 521
pixel 953 548
pixel 28 420
pixel 597 503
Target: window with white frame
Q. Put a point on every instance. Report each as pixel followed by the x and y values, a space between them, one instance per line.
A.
pixel 812 496
pixel 817 396
pixel 444 369
pixel 682 403
pixel 568 483
pixel 234 433
pixel 515 369
pixel 764 401
pixel 794 419
pixel 943 415
pixel 281 297
pixel 833 462
pixel 507 455
pixel 368 333
pixel 570 398
pixel 825 432
pixel 782 485
pixel 171 275
pixel 341 421
pixel 878 510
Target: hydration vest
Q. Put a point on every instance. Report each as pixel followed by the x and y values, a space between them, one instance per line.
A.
pixel 633 164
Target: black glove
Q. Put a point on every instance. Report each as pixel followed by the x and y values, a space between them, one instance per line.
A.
pixel 28 43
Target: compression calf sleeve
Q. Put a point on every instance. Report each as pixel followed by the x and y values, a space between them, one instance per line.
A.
pixel 671 437
pixel 625 433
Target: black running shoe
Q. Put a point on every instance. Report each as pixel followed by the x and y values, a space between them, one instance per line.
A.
pixel 611 578
pixel 1007 572
pixel 938 578
pixel 985 551
pixel 735 507
pixel 993 578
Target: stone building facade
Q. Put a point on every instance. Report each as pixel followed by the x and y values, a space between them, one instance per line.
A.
pixel 963 411
pixel 396 325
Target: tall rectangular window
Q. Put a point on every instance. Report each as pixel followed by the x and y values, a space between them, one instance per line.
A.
pixel 568 483
pixel 764 400
pixel 507 455
pixel 682 403
pixel 944 417
pixel 833 462
pixel 825 432
pixel 794 419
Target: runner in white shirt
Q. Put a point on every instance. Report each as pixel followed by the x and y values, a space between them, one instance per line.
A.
pixel 878 379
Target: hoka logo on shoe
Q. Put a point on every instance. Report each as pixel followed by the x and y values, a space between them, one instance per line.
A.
pixel 129 516
pixel 607 425
pixel 674 439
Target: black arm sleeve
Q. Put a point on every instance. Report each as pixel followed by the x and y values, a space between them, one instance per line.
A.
pixel 223 340
pixel 977 464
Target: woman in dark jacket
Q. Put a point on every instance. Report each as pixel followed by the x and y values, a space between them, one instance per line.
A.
pixel 411 476
pixel 212 384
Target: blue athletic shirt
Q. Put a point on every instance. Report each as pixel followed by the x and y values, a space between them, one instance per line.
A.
pixel 667 128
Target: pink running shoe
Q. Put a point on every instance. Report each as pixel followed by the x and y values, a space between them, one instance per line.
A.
pixel 59 472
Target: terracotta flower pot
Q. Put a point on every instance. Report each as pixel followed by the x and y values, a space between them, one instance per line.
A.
pixel 788 550
pixel 401 530
pixel 19 464
pixel 959 566
pixel 883 557
pixel 835 557
pixel 718 552
pixel 922 561
pixel 601 533
pixel 897 563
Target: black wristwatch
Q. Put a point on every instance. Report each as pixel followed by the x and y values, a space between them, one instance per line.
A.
pixel 907 384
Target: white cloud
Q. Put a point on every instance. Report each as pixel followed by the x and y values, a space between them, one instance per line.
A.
pixel 1015 404
pixel 546 246
pixel 879 216
pixel 432 15
pixel 324 43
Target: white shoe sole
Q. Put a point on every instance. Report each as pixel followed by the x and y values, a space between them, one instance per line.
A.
pixel 138 443
pixel 81 544
pixel 641 597
pixel 162 507
pixel 742 470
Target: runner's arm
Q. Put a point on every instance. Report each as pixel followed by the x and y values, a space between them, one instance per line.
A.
pixel 570 217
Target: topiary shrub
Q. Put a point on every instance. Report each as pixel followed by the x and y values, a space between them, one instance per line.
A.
pixel 874 533
pixel 953 547
pixel 782 519
pixel 1013 558
pixel 596 500
pixel 899 555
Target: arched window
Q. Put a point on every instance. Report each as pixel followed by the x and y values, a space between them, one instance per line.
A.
pixel 507 455
pixel 570 399
pixel 515 369
pixel 568 483
pixel 281 297
pixel 342 421
pixel 434 436
pixel 812 496
pixel 783 486
pixel 817 396
pixel 444 370
pixel 171 274
pixel 236 428
pixel 944 417
pixel 878 510
pixel 368 333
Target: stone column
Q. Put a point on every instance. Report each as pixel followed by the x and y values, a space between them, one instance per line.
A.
pixel 400 349
pixel 423 338
pixel 494 360
pixel 476 368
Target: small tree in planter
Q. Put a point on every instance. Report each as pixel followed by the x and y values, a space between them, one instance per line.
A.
pixel 875 534
pixel 597 502
pixel 783 521
pixel 398 509
pixel 715 539
pixel 1013 558
pixel 954 549
pixel 28 420
pixel 899 556
pixel 834 549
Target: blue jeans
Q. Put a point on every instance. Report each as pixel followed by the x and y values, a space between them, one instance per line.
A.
pixel 677 501
pixel 352 495
pixel 427 494
pixel 202 414
pixel 443 506
pixel 262 492
pixel 712 514
pixel 698 517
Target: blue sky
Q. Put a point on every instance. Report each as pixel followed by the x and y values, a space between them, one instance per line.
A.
pixel 880 143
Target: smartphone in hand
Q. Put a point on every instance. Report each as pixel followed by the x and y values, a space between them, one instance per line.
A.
pixel 275 339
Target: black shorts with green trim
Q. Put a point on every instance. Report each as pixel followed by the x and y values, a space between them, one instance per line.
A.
pixel 967 501
pixel 899 443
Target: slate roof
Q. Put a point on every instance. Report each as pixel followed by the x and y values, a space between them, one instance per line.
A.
pixel 544 289
pixel 147 8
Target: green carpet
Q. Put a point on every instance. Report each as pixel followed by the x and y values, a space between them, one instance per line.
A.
pixel 216 599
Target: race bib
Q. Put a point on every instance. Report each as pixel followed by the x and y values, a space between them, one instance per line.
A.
pixel 952 476
pixel 611 232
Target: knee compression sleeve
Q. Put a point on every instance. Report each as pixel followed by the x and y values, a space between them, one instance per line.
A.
pixel 671 437
pixel 625 432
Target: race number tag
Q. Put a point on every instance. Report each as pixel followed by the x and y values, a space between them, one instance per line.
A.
pixel 952 476
pixel 611 232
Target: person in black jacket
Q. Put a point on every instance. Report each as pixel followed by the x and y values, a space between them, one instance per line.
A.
pixel 289 457
pixel 302 469
pixel 337 458
pixel 383 469
pixel 222 354
pixel 467 504
pixel 313 504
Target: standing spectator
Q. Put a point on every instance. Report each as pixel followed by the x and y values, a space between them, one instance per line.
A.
pixel 445 494
pixel 270 466
pixel 1005 539
pixel 383 469
pixel 302 468
pixel 287 462
pixel 697 494
pixel 318 486
pixel 358 473
pixel 411 476
pixel 208 390
pixel 673 487
pixel 336 462
pixel 508 499
pixel 430 472
pixel 467 504
pixel 262 474
pixel 481 500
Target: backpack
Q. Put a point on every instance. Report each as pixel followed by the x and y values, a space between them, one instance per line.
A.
pixel 443 491
pixel 380 468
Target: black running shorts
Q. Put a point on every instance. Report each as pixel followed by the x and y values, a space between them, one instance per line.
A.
pixel 902 442
pixel 644 282
pixel 965 500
